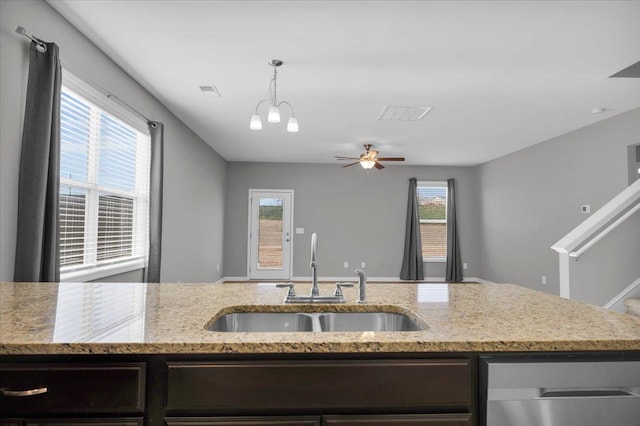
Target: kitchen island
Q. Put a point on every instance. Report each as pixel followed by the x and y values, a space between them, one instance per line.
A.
pixel 149 345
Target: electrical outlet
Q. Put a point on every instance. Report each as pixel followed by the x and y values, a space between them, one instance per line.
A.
pixel 346 264
pixel 465 265
pixel 363 265
pixel 544 280
pixel 586 209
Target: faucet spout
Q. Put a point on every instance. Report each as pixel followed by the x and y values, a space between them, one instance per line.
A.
pixel 362 287
pixel 314 265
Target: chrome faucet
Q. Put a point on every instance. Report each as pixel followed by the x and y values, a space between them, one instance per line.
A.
pixel 314 297
pixel 314 265
pixel 362 287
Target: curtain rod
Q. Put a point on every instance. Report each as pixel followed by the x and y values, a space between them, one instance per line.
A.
pixel 43 48
pixel 40 46
pixel 109 95
pixel 127 106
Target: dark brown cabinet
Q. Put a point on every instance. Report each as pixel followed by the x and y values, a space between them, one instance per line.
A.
pixel 252 386
pixel 71 388
pixel 400 420
pixel 34 394
pixel 73 422
pixel 225 390
pixel 347 420
pixel 245 421
pixel 92 422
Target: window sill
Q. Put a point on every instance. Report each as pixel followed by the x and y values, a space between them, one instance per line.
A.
pixel 102 271
pixel 434 259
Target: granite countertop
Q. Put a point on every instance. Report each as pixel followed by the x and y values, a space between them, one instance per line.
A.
pixel 108 318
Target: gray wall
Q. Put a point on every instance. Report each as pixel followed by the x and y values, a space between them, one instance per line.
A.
pixel 358 215
pixel 511 210
pixel 194 175
pixel 532 198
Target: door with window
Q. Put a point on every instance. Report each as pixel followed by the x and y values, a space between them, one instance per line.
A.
pixel 270 229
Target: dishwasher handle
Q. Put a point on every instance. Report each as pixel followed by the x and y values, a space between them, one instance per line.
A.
pixel 582 393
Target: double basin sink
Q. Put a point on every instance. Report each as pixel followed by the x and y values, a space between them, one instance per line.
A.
pixel 265 322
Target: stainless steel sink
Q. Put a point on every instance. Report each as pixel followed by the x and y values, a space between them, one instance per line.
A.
pixel 314 321
pixel 367 321
pixel 263 322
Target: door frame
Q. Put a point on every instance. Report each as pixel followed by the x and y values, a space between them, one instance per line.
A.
pixel 249 220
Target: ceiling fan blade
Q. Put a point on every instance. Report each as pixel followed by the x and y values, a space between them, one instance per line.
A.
pixel 349 165
pixel 378 166
pixel 390 159
pixel 345 158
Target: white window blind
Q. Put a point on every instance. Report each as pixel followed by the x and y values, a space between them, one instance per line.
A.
pixel 432 210
pixel 104 187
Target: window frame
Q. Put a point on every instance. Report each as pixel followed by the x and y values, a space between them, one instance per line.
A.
pixel 435 184
pixel 91 268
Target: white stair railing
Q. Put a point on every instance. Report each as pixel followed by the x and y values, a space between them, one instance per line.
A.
pixel 622 295
pixel 594 228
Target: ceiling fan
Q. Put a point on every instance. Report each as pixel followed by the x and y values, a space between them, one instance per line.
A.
pixel 369 158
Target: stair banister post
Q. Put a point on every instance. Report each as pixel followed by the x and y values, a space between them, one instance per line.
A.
pixel 565 275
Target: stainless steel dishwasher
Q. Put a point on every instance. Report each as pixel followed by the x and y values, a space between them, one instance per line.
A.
pixel 561 392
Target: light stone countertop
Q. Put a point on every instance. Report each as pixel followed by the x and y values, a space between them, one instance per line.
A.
pixel 108 318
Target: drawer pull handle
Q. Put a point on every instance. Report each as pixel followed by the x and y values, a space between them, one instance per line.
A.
pixel 29 392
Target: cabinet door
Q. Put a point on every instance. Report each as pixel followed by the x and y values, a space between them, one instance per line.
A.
pixel 243 421
pixel 92 422
pixel 400 420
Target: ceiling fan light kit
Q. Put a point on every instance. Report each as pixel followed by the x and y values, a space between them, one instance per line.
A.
pixel 367 164
pixel 369 159
pixel 273 116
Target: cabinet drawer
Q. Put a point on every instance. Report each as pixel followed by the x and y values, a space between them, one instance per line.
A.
pixel 73 388
pixel 400 420
pixel 243 421
pixel 345 384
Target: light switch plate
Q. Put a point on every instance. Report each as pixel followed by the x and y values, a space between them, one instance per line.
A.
pixel 299 230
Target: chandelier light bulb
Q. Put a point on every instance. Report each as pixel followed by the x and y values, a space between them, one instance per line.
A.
pixel 292 125
pixel 256 123
pixel 274 114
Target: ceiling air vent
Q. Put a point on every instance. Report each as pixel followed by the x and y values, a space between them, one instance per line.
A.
pixel 210 91
pixel 404 113
pixel 632 71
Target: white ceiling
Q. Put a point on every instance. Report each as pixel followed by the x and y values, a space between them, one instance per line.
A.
pixel 500 75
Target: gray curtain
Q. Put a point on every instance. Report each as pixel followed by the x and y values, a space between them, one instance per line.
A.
pixel 37 252
pixel 156 131
pixel 454 263
pixel 412 266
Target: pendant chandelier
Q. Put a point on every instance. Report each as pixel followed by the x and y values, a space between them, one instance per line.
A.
pixel 273 115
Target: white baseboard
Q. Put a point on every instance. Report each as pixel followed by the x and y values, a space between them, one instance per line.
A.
pixel 369 279
pixel 480 280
